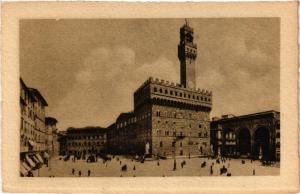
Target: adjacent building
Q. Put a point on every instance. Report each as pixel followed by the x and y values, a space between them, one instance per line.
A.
pixel 255 136
pixel 33 144
pixel 28 134
pixel 32 128
pixel 62 142
pixel 168 119
pixel 51 138
pixel 87 140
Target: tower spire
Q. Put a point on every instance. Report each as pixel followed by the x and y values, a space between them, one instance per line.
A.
pixel 186 22
pixel 187 53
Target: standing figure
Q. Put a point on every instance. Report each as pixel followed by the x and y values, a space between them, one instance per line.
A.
pixel 174 167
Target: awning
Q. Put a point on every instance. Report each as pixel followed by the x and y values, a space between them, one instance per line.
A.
pixel 46 155
pixel 26 166
pixel 39 157
pixel 31 142
pixel 30 162
pixel 36 160
pixel 23 170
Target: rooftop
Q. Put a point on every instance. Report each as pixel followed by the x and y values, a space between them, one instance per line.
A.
pixel 38 95
pixel 233 117
pixel 89 129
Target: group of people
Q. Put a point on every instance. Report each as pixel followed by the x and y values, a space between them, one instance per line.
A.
pixel 222 164
pixel 80 173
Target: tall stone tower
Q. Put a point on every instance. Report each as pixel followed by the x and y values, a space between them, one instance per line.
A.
pixel 187 53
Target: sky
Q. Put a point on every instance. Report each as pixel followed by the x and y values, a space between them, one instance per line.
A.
pixel 87 70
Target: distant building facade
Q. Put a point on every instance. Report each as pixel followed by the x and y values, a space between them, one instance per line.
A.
pixel 62 142
pixel 168 119
pixel 255 136
pixel 51 140
pixel 87 140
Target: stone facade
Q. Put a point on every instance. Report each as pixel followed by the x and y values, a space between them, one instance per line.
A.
pixel 32 128
pixel 33 136
pixel 255 136
pixel 51 141
pixel 62 142
pixel 87 140
pixel 168 119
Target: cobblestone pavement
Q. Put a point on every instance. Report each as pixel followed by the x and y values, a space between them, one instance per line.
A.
pixel 60 168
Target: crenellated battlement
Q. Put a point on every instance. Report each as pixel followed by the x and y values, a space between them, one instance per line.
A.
pixel 163 82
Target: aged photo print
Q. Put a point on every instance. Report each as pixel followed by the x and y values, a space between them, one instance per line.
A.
pixel 129 97
pixel 137 98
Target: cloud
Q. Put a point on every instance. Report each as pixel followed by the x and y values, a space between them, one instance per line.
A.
pixel 105 83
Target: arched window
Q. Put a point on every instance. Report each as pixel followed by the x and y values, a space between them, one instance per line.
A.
pixel 158 113
pixel 278 135
pixel 160 90
pixel 155 89
pixel 173 144
pixel 161 144
pixel 166 91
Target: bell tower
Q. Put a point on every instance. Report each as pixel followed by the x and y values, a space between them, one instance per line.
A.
pixel 187 54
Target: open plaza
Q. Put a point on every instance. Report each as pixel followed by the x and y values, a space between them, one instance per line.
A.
pixel 158 168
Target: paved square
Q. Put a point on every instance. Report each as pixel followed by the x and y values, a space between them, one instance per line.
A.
pixel 60 168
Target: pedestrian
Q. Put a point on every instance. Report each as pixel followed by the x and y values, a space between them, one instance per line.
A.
pixel 89 172
pixel 120 162
pixel 105 164
pixel 73 171
pixel 174 167
pixel 253 172
pixel 79 173
pixel 211 170
pixel 133 167
pixel 157 162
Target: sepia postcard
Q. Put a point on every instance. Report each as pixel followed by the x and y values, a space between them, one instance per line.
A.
pixel 150 97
